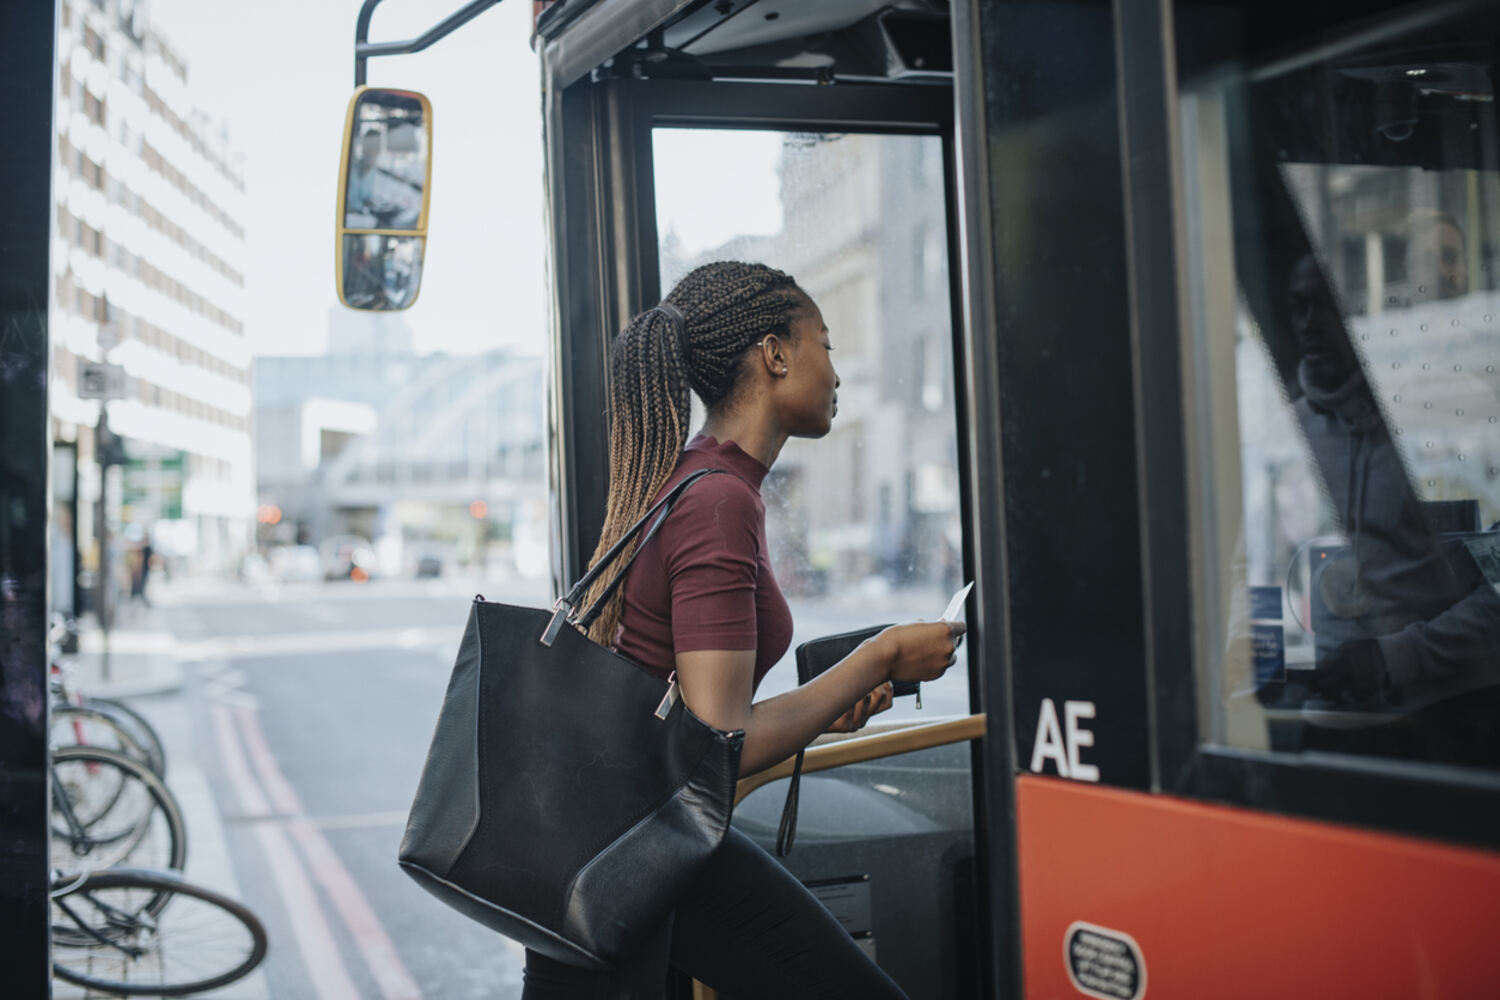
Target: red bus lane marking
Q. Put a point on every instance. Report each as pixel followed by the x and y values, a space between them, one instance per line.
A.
pixel 315 942
pixel 320 953
pixel 253 802
pixel 379 953
pixel 395 982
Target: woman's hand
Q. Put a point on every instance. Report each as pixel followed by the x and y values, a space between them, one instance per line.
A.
pixel 922 651
pixel 718 685
pixel 874 703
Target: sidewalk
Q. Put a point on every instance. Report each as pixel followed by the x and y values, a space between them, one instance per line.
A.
pixel 136 659
pixel 144 666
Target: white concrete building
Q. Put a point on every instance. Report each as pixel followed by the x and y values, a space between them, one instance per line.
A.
pixel 419 454
pixel 149 274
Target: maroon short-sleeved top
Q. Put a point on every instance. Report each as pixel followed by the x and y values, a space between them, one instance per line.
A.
pixel 705 580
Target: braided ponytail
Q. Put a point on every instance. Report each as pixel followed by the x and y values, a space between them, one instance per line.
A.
pixel 727 308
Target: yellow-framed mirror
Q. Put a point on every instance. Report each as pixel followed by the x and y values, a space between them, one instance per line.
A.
pixel 385 176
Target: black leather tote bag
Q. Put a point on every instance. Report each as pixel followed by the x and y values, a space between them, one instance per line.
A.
pixel 569 795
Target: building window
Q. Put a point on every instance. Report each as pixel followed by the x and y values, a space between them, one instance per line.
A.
pixel 90 239
pixel 93 42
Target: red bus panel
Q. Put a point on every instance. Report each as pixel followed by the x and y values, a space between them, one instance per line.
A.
pixel 1221 902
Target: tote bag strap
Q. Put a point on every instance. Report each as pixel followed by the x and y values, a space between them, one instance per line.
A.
pixel 569 602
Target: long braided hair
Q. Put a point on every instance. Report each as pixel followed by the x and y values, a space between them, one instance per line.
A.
pixel 728 307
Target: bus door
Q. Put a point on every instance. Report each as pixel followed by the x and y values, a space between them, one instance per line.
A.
pixel 657 165
pixel 1244 278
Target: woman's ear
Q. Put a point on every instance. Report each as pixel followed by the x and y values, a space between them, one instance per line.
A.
pixel 773 355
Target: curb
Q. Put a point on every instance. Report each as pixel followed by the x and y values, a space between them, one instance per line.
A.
pixel 167 681
pixel 144 663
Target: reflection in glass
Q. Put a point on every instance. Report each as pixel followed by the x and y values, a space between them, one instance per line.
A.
pixel 381 272
pixel 1342 250
pixel 387 162
pixel 864 525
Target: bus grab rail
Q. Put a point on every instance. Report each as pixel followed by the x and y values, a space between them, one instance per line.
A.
pixel 857 749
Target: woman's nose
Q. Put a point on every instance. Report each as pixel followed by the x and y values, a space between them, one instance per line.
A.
pixel 836 382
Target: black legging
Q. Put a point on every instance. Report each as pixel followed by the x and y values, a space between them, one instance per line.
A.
pixel 747 928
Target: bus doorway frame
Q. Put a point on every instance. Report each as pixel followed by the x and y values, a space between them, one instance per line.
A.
pixel 604 245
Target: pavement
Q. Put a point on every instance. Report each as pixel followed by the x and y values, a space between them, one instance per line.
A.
pixel 130 662
pixel 141 662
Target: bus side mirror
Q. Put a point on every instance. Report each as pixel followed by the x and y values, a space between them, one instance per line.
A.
pixel 384 177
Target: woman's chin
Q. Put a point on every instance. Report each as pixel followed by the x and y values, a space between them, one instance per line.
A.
pixel 815 432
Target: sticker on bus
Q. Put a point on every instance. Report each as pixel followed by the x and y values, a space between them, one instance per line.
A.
pixel 1104 963
pixel 848 899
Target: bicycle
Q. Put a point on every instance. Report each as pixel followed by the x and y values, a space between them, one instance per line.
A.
pixel 135 724
pixel 108 808
pixel 108 934
pixel 90 726
pixel 133 931
pixel 106 721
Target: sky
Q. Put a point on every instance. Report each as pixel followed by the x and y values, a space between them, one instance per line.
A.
pixel 712 185
pixel 279 74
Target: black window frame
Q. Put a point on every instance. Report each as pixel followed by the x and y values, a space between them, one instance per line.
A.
pixel 1436 801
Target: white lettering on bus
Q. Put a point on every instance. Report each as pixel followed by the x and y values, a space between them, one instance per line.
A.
pixel 1077 737
pixel 1060 743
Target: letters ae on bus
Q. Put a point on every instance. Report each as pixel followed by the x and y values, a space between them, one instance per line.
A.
pixel 384 177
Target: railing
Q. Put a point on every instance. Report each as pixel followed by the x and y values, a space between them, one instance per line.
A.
pixel 835 751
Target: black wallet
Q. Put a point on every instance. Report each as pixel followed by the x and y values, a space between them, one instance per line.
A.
pixel 813 658
pixel 818 655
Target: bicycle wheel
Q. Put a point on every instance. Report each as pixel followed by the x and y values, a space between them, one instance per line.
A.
pixel 103 939
pixel 93 727
pixel 108 809
pixel 135 723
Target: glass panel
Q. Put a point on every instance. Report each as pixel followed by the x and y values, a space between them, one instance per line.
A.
pixel 1343 215
pixel 889 845
pixel 384 187
pixel 381 273
pixel 864 524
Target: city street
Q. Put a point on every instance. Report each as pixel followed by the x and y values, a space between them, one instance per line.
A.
pixel 307 709
pixel 295 739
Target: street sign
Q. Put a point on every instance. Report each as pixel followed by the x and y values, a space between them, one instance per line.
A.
pixel 97 380
pixel 152 486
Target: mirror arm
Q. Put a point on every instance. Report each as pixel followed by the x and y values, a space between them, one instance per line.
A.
pixel 365 49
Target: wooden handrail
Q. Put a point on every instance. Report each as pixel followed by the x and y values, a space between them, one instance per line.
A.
pixel 855 750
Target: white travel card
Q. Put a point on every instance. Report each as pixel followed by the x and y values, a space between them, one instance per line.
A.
pixel 955 610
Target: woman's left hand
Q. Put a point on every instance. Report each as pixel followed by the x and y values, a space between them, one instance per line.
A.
pixel 874 703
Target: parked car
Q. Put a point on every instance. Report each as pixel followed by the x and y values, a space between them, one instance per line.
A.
pixel 347 557
pixel 296 564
